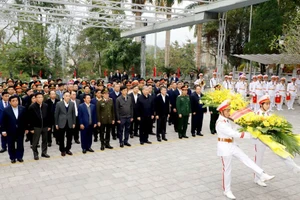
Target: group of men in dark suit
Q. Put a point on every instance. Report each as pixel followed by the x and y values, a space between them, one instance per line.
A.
pixel 123 110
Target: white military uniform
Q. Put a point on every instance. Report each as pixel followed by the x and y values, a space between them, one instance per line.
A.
pixel 241 88
pixel 260 148
pixel 251 92
pixel 213 82
pixel 280 89
pixel 259 91
pixel 227 150
pixel 292 89
pixel 298 89
pixel 271 88
pixel 231 86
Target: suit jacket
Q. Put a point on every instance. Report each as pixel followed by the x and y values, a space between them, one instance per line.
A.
pixel 83 115
pixel 162 108
pixel 196 104
pixel 173 94
pixel 34 116
pixel 135 105
pixel 77 104
pixel 64 115
pixel 1 110
pixel 14 126
pixel 118 76
pixel 51 109
pixel 114 98
pixel 110 78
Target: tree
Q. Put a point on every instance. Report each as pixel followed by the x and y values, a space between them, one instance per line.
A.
pixel 267 23
pixel 122 53
pixel 197 34
pixel 168 4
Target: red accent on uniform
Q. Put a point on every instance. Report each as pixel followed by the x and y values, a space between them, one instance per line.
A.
pixel 243 134
pixel 223 181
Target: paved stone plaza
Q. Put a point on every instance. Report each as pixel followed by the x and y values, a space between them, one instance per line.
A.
pixel 177 169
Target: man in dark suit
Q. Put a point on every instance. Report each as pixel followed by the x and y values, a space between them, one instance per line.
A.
pixel 197 111
pixel 174 78
pixel 3 104
pixel 13 127
pixel 125 76
pixel 173 94
pixel 114 95
pixel 88 120
pixel 118 75
pixel 65 120
pixel 76 105
pixel 162 111
pixel 51 102
pixel 111 77
pixel 145 115
pixel 134 127
pixel 39 125
pixel 86 90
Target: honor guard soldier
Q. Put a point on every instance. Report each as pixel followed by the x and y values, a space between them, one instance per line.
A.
pixel 292 90
pixel 183 106
pixel 271 91
pixel 258 90
pixel 281 92
pixel 241 86
pixel 213 81
pixel 227 149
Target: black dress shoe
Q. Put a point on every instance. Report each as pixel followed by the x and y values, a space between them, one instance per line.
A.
pixel 114 138
pixel 91 150
pixel 57 142
pixel 27 140
pixel 180 137
pixel 20 160
pixel 108 146
pixel 131 136
pixel 199 134
pixel 193 135
pixel 121 145
pixel 170 124
pixel 63 153
pixel 69 153
pixel 165 139
pixel 95 140
pixel 84 151
pixel 127 144
pixel 13 161
pixel 185 136
pixel 136 135
pixel 36 157
pixel 49 145
pixel 102 148
pixel 2 150
pixel 159 140
pixel 38 146
pixel 77 142
pixel 142 143
pixel 148 142
pixel 45 156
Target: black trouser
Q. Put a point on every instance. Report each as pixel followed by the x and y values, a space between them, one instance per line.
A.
pixel 134 127
pixel 15 153
pixel 105 133
pixel 197 122
pixel 161 127
pixel 212 125
pixel 145 129
pixel 114 134
pixel 124 127
pixel 174 116
pixel 62 133
pixel 36 137
pixel 52 130
pixel 96 132
pixel 76 130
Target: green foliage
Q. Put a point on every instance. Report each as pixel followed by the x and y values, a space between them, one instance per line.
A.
pixel 267 23
pixel 122 53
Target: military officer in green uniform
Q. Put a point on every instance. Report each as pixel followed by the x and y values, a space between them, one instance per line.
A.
pixel 183 106
pixel 106 118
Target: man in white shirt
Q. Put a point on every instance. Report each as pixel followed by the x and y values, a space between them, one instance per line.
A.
pixel 213 81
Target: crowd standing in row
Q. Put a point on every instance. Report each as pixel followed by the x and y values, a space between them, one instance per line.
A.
pixel 122 109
